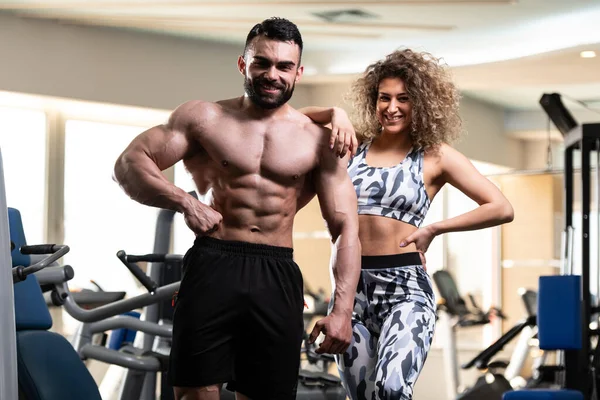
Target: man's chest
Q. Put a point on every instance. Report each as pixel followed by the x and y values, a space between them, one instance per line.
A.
pixel 277 151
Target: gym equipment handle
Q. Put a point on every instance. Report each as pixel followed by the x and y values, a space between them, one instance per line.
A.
pixel 144 279
pixel 482 359
pixel 40 249
pixel 155 258
pixel 20 273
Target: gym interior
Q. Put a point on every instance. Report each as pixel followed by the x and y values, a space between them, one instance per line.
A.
pixel 79 80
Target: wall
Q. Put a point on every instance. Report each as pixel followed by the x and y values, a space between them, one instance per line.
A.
pixel 520 121
pixel 148 70
pixel 533 125
pixel 485 138
pixel 120 67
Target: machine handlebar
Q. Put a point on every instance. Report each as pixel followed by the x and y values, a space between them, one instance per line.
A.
pixel 55 251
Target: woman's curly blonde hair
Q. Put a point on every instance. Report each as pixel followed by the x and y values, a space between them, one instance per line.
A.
pixel 435 99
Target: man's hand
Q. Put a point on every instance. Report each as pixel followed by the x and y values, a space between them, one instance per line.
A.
pixel 338 334
pixel 343 136
pixel 202 219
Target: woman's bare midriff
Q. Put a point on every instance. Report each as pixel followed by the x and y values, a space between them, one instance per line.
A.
pixel 382 235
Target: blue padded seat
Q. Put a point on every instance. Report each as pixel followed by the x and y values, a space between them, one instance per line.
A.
pixel 543 394
pixel 49 368
pixel 559 316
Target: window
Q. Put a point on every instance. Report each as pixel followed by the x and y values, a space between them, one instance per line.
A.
pixel 100 219
pixel 23 145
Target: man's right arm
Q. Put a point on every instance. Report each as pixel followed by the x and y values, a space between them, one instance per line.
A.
pixel 138 170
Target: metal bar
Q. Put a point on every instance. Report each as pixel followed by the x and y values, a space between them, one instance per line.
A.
pixel 55 275
pixel 577 361
pixel 132 323
pixel 122 359
pixel 162 244
pixel 583 377
pixel 568 181
pixel 134 384
pixel 570 247
pixel 567 357
pixel 116 308
pixel 597 288
pixel 8 338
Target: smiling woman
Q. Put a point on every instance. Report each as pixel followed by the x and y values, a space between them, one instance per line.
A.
pixel 407 116
pixel 417 77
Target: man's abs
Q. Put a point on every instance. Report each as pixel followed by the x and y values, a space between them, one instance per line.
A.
pixel 254 208
pixel 253 215
pixel 257 173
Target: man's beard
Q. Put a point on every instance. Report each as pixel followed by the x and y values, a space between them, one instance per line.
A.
pixel 266 101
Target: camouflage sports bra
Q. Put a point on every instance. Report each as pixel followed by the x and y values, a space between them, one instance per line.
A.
pixel 396 192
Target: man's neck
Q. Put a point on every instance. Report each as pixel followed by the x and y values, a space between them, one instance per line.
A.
pixel 259 112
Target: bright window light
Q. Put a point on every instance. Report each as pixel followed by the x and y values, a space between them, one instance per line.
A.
pixel 100 219
pixel 23 145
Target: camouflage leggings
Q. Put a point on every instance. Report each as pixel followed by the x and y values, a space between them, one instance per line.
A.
pixel 393 324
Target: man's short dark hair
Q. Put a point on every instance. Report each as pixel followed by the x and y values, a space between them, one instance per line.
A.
pixel 276 28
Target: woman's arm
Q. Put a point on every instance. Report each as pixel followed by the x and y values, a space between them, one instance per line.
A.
pixel 320 115
pixel 494 209
pixel 343 137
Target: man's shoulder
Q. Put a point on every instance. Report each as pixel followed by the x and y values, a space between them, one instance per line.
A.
pixel 194 109
pixel 309 126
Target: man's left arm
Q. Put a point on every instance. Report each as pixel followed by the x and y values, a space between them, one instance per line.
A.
pixel 337 199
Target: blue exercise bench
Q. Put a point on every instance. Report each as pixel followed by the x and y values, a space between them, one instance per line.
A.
pixel 48 366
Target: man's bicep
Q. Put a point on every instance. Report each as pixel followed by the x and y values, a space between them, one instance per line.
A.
pixel 336 194
pixel 168 143
pixel 164 145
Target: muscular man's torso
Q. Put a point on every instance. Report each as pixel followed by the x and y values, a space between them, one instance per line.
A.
pixel 258 169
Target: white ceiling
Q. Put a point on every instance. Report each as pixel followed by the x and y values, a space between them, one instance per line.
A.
pixel 506 52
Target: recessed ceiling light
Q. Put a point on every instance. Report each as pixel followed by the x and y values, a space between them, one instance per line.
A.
pixel 588 54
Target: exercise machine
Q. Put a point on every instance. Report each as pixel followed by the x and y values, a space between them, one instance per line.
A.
pixel 567 307
pixel 33 321
pixel 454 313
pixel 163 273
pixel 500 376
pixel 110 317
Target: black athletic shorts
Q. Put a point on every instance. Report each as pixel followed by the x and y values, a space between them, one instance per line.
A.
pixel 238 319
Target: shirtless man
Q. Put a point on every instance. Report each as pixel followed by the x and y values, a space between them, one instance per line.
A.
pixel 238 315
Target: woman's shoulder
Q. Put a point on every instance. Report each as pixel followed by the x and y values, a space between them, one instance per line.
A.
pixel 438 151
